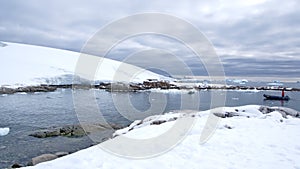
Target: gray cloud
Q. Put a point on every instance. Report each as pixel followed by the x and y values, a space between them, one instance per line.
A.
pixel 252 37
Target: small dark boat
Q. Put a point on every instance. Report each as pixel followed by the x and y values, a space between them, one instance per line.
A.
pixel 270 97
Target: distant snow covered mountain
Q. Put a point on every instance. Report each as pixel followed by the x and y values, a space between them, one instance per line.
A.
pixel 23 65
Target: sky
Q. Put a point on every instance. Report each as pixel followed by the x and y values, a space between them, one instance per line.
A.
pixel 253 38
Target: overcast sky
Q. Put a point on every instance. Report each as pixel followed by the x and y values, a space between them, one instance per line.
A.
pixel 252 37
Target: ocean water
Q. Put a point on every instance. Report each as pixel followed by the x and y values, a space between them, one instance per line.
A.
pixel 26 113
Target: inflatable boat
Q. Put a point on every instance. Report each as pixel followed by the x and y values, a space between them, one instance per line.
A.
pixel 270 97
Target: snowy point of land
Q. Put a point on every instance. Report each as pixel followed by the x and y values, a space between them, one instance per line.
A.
pixel 251 137
pixel 27 65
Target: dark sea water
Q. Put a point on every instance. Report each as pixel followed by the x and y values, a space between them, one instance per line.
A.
pixel 26 113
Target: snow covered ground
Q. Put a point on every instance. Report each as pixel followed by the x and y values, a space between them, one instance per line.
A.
pixel 23 65
pixel 249 139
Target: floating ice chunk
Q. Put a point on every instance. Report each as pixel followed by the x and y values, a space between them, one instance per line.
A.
pixel 240 81
pixel 22 93
pixel 4 131
pixel 275 83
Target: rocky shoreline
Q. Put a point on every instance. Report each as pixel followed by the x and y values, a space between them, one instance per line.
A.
pixel 27 89
pixel 76 130
pixel 71 131
pixel 79 130
pixel 40 159
pixel 133 87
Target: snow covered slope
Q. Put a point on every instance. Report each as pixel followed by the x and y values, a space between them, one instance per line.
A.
pixel 31 65
pixel 250 139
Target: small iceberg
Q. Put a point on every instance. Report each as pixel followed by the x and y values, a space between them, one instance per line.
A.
pixel 4 131
pixel 22 93
pixel 275 83
pixel 241 81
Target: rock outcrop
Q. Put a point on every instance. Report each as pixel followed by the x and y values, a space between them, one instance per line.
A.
pixel 16 165
pixel 284 111
pixel 27 89
pixel 76 130
pixel 42 158
pixel 69 131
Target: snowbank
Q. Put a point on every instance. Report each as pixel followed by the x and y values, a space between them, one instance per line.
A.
pixel 24 65
pixel 4 131
pixel 248 139
pixel 174 91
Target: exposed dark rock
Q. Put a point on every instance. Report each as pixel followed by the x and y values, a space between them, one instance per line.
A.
pixel 76 130
pixel 105 139
pixel 4 90
pixel 228 126
pixel 124 87
pixel 158 122
pixel 69 131
pixel 82 86
pixel 154 83
pixel 131 87
pixel 137 87
pixel 226 114
pixel 116 126
pixel 103 85
pixel 284 111
pixel 39 134
pixel 31 89
pixel 46 133
pixel 16 165
pixel 61 154
pixel 72 131
pixel 42 158
pixel 266 109
pixel 27 89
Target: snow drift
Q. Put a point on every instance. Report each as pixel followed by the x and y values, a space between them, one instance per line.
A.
pixel 247 137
